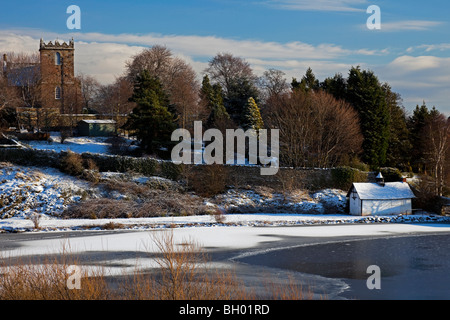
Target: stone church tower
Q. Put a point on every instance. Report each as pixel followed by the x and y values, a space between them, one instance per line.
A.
pixel 59 88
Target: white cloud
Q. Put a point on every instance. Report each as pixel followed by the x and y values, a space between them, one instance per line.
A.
pixel 410 25
pixel 420 78
pixel 104 61
pixel 320 5
pixel 430 47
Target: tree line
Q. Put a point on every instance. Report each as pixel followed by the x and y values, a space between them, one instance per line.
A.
pixel 353 120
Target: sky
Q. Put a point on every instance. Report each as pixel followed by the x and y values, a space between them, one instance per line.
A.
pixel 410 51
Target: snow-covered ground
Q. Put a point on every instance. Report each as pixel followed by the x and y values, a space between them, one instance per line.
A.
pixel 25 191
pixel 74 144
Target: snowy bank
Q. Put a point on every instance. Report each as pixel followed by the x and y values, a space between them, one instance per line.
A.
pixel 46 223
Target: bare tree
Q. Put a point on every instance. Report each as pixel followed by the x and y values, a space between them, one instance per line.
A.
pixel 273 83
pixel 113 99
pixel 23 73
pixel 89 90
pixel 316 130
pixel 20 85
pixel 73 104
pixel 8 101
pixel 437 148
pixel 8 95
pixel 184 93
pixel 227 70
pixel 156 60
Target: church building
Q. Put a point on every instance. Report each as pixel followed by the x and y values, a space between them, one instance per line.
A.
pixel 59 88
pixel 53 76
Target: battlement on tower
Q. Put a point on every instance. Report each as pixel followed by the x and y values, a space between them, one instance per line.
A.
pixel 57 45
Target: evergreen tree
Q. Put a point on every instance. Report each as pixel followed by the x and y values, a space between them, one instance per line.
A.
pixel 240 90
pixel 213 98
pixel 308 82
pixel 365 93
pixel 151 119
pixel 337 86
pixel 399 149
pixel 251 118
pixel 218 110
pixel 295 84
pixel 206 91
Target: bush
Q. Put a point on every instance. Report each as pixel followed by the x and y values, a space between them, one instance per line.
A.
pixel 72 163
pixel 92 173
pixel 136 201
pixel 147 166
pixel 208 180
pixel 391 174
pixel 118 145
pixel 170 170
pixel 343 177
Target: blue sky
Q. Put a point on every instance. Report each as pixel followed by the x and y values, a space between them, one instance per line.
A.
pixel 411 51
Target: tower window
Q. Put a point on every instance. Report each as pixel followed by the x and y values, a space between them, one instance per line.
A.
pixel 57 58
pixel 58 93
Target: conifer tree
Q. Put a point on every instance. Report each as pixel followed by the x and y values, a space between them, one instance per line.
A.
pixel 239 93
pixel 213 99
pixel 251 117
pixel 398 152
pixel 151 119
pixel 365 93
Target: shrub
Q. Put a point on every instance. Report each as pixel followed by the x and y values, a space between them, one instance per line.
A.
pixel 148 166
pixel 343 177
pixel 118 145
pixel 391 174
pixel 208 180
pixel 72 163
pixel 170 170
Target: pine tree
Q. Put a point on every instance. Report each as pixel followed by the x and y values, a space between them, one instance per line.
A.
pixel 251 117
pixel 240 90
pixel 218 110
pixel 151 119
pixel 416 125
pixel 295 85
pixel 399 150
pixel 365 93
pixel 308 82
pixel 213 98
pixel 337 86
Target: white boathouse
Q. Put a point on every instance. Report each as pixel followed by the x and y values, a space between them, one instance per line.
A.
pixel 380 198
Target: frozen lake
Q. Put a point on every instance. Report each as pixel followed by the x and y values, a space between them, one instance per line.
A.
pixel 414 258
pixel 412 267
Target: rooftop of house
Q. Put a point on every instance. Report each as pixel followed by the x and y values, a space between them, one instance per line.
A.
pixel 376 191
pixel 99 121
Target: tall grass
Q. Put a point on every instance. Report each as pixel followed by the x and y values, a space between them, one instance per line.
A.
pixel 182 274
pixel 48 281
